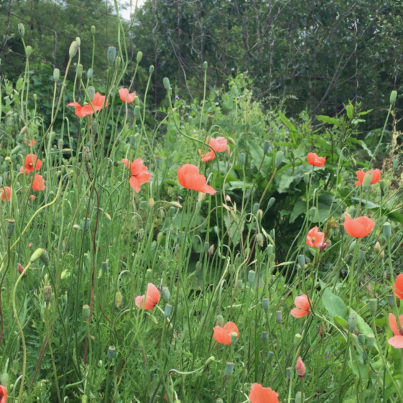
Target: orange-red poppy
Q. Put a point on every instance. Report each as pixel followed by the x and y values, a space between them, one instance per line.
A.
pixel 260 394
pixel 358 227
pixel 207 157
pixel 399 286
pixel 32 197
pixel 300 368
pixel 3 394
pixel 149 300
pixel 95 105
pixel 376 176
pixel 218 144
pixel 31 143
pixel 222 334
pixel 125 96
pixel 397 340
pixel 5 193
pixel 315 160
pixel 303 306
pixel 190 178
pixel 315 238
pixel 38 183
pixel 32 163
pixel 138 171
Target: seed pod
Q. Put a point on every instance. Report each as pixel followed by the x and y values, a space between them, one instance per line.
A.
pixel 56 75
pixel 73 49
pixel 151 70
pixel 205 65
pixel 279 317
pixel 10 227
pixel 229 368
pixel 111 353
pixel 265 304
pixel 93 29
pixel 393 96
pixel 118 299
pixel 251 277
pixel 166 295
pixel 167 84
pixel 387 230
pixel 21 30
pixel 91 92
pixel 139 56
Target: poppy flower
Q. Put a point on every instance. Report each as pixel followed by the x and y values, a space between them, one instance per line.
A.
pixel 358 227
pixel 5 193
pixel 303 306
pixel 38 183
pixel 3 394
pixel 376 176
pixel 125 96
pixel 222 334
pixel 300 368
pixel 260 394
pixel 315 160
pixel 218 144
pixel 149 300
pixel 315 238
pixel 189 178
pixel 207 157
pixel 397 340
pixel 399 286
pixel 32 163
pixel 31 143
pixel 95 105
pixel 139 174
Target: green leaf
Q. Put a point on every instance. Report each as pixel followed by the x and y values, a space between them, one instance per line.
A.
pixel 334 305
pixel 299 208
pixel 327 119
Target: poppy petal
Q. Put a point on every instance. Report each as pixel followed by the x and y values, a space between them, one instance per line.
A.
pixel 298 313
pixel 302 302
pixel 396 341
pixel 399 286
pixel 260 394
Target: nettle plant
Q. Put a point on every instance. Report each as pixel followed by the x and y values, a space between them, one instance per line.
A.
pixel 222 252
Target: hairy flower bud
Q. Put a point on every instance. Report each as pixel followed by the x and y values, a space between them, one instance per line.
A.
pixel 300 368
pixel 56 75
pixel 393 96
pixel 73 49
pixel 139 56
pixel 21 30
pixel 167 84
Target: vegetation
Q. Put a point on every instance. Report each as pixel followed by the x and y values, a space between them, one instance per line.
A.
pixel 205 249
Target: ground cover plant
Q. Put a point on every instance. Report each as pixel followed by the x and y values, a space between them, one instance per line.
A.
pixel 207 251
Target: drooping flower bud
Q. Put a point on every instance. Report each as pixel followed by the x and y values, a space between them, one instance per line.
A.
pixel 28 51
pixel 21 30
pixel 300 368
pixel 139 56
pixel 36 255
pixel 167 84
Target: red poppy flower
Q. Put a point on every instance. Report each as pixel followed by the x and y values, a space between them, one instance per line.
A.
pixel 5 193
pixel 31 143
pixel 399 286
pixel 397 340
pixel 315 238
pixel 218 144
pixel 376 176
pixel 139 174
pixel 95 105
pixel 222 334
pixel 3 394
pixel 38 183
pixel 149 300
pixel 260 394
pixel 315 160
pixel 358 227
pixel 300 368
pixel 189 178
pixel 303 306
pixel 32 163
pixel 207 157
pixel 125 96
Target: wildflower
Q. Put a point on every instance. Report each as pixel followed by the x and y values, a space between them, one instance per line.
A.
pixel 303 306
pixel 31 143
pixel 222 334
pixel 300 368
pixel 314 237
pixel 149 300
pixel 3 394
pixel 218 144
pixel 207 157
pixel 5 193
pixel 376 176
pixel 95 105
pixel 139 174
pixel 38 183
pixel 399 286
pixel 358 227
pixel 397 340
pixel 315 160
pixel 32 163
pixel 32 197
pixel 189 178
pixel 125 96
pixel 260 394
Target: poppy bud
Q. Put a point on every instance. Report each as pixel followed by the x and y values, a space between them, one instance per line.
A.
pixel 166 295
pixel 111 353
pixel 137 102
pixel 118 61
pixel 279 158
pixel 352 322
pixel 234 337
pixel 136 111
pixel 366 183
pixel 387 230
pixel 205 65
pixel 322 329
pixel 73 49
pixel 86 223
pixel 393 96
pixel 118 299
pixel 211 250
pixel 76 227
pixel 45 258
pixel 372 305
pixel 28 51
pixel 300 368
pixel 21 30
pixel 251 276
pixel 297 338
pixel 270 203
pixel 259 215
pixel 151 202
pixel 299 397
pixel 219 320
pixel 79 70
pixel 139 56
pixel 167 310
pixel 264 336
pixel 151 70
pixel 301 261
pixel 219 400
pixel 240 284
pixel 279 316
pixel 47 293
pixel 21 269
pixel 229 368
pixel 266 147
pixel 78 41
pixel 56 75
pixel 93 29
pixel 36 255
pixel 167 84
pixel 86 311
pixel 90 73
pixel 270 355
pixel 265 304
pixel 255 208
pixel 10 227
pixel 86 154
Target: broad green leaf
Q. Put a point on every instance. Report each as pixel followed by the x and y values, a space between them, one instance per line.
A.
pixel 327 119
pixel 334 305
pixel 299 208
